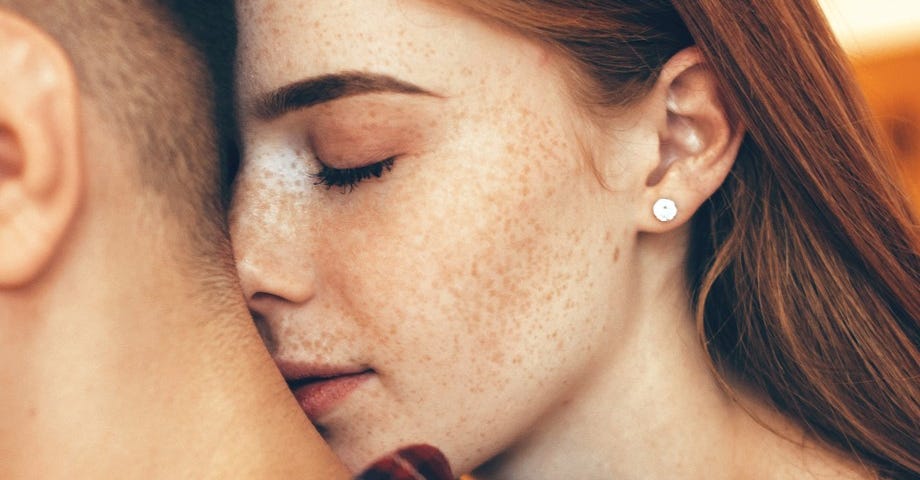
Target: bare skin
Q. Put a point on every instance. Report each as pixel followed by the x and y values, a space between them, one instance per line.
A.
pixel 512 305
pixel 125 352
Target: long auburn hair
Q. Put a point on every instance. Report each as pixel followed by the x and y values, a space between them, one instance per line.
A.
pixel 805 265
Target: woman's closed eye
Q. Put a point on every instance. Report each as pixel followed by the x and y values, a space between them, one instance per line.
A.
pixel 349 178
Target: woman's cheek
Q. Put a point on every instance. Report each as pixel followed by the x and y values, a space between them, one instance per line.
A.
pixel 482 279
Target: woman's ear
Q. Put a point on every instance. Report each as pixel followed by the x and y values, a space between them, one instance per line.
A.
pixel 698 143
pixel 40 159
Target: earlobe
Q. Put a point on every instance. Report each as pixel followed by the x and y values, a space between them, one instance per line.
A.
pixel 697 143
pixel 40 158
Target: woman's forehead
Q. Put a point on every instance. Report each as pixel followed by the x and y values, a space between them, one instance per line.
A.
pixel 422 42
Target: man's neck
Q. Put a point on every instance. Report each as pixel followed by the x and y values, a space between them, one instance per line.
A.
pixel 139 379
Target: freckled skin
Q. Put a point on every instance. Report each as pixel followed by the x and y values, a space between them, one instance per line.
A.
pixel 483 278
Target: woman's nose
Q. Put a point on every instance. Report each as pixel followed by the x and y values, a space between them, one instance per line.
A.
pixel 267 276
pixel 272 246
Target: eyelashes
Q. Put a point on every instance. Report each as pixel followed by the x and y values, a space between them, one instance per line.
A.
pixel 349 178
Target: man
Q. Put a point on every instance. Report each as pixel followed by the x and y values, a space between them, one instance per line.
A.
pixel 126 350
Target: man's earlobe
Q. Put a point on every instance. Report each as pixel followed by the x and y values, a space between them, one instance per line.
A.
pixel 40 158
pixel 698 143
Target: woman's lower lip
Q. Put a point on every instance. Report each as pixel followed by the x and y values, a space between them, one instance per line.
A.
pixel 320 397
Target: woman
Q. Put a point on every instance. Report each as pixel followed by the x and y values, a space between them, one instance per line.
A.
pixel 565 239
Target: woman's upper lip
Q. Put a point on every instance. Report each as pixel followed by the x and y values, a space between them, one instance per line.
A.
pixel 300 372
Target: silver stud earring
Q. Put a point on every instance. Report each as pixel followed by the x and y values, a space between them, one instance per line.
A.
pixel 665 210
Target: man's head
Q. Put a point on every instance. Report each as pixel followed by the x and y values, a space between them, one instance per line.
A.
pixel 121 323
pixel 136 84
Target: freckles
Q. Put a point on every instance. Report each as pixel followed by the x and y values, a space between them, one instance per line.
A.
pixel 272 192
pixel 516 272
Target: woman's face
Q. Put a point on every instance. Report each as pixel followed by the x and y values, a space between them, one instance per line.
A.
pixel 470 284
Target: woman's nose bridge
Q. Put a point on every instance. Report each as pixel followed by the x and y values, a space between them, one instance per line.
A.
pixel 274 240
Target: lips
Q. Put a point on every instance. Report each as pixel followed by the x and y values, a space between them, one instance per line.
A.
pixel 320 389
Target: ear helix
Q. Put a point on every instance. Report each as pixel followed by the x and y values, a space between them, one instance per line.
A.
pixel 665 210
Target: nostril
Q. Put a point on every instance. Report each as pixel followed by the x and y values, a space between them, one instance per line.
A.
pixel 265 331
pixel 261 297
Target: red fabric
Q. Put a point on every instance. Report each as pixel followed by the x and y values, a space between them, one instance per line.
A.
pixel 418 462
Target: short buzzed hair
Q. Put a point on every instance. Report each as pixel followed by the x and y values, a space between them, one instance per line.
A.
pixel 142 63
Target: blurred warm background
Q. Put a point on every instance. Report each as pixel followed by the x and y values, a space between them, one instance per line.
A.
pixel 883 39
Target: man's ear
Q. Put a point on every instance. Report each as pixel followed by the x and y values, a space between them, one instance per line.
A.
pixel 40 158
pixel 698 143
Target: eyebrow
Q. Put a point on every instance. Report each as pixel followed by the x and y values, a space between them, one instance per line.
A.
pixel 326 88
